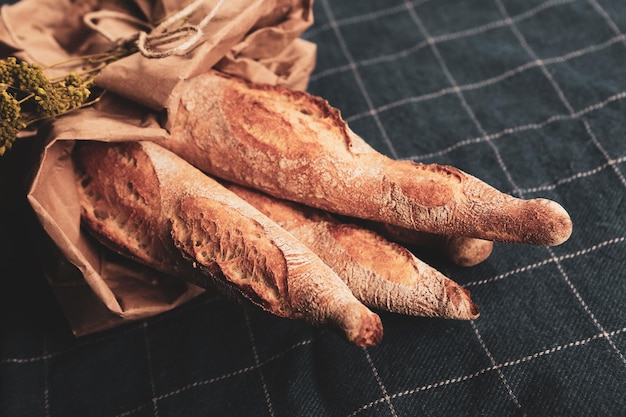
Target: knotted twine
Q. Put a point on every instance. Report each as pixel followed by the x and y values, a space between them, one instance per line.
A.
pixel 149 44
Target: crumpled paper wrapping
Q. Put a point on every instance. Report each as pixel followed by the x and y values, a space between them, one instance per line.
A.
pixel 258 40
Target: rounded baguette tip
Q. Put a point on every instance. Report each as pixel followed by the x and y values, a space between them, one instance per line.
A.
pixel 462 306
pixel 468 252
pixel 558 224
pixel 474 311
pixel 369 333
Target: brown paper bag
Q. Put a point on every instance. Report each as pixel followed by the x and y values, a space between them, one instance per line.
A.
pixel 256 40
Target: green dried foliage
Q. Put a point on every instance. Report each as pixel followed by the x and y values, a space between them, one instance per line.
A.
pixel 29 96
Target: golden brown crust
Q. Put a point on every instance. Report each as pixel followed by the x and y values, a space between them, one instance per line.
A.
pixel 466 251
pixel 295 146
pixel 380 273
pixel 147 202
pixel 119 210
pixel 238 248
pixel 463 251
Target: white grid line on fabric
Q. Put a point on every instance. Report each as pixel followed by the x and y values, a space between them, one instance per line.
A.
pixel 46 379
pixel 492 80
pixel 379 381
pixel 607 164
pixel 47 356
pixel 606 17
pixel 130 329
pixel 587 309
pixel 219 378
pixel 522 128
pixel 483 371
pixel 439 38
pixel 603 151
pixel 359 81
pixel 555 85
pixel 133 411
pixel 84 343
pixel 522 40
pixel 418 22
pixel 550 260
pixel 575 177
pixel 494 363
pixel 357 77
pixel 257 362
pixel 155 408
pixel 388 11
pixel 459 94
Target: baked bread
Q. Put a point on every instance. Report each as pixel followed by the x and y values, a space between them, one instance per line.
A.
pixel 463 251
pixel 150 205
pixel 381 274
pixel 295 146
pixel 156 203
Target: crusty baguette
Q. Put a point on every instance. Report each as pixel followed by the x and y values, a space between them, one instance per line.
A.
pixel 149 204
pixel 463 251
pixel 381 274
pixel 295 146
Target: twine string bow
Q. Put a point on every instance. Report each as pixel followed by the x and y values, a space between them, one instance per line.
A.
pixel 149 44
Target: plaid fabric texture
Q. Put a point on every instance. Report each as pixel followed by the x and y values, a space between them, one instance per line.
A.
pixel 529 96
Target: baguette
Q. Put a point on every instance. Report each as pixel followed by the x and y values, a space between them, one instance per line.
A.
pixel 295 146
pixel 463 251
pixel 150 205
pixel 381 274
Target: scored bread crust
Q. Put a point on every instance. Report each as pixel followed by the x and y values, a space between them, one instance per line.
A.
pixel 119 210
pixel 149 204
pixel 380 273
pixel 295 146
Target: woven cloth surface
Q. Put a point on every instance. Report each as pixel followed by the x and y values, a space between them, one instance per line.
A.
pixel 527 95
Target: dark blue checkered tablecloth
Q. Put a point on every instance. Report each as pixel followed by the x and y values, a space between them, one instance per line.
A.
pixel 528 95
